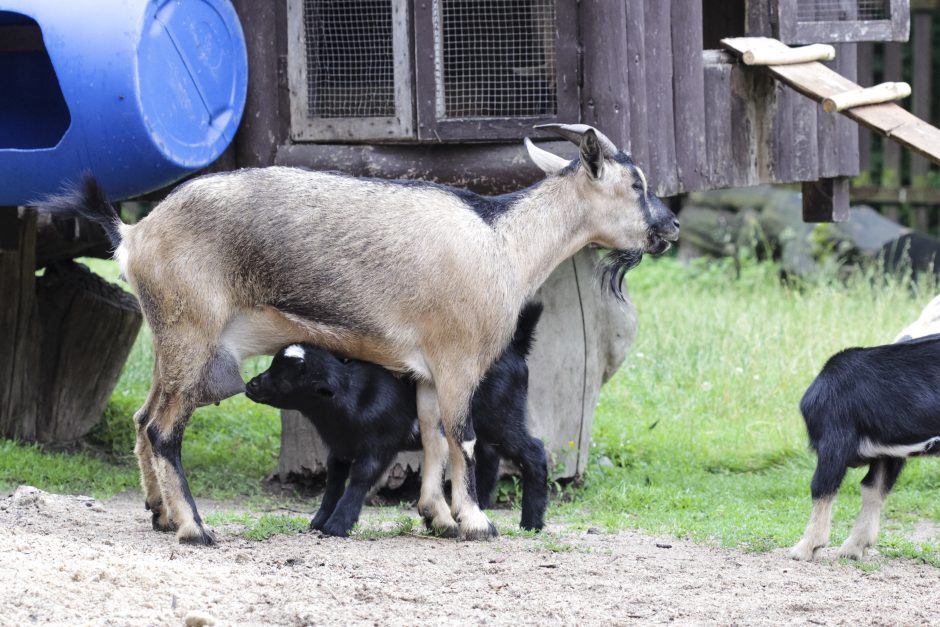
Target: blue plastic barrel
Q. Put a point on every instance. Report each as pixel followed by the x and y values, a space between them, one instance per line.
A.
pixel 138 92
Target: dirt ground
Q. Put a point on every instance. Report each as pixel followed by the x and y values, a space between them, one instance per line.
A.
pixel 75 560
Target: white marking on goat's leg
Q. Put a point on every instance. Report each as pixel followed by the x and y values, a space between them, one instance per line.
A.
pixel 817 529
pixel 431 505
pixel 474 525
pixel 865 531
pixel 468 448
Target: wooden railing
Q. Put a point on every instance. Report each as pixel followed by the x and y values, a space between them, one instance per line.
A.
pixel 903 186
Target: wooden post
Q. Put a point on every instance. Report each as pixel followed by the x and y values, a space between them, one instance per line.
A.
pixel 891 152
pixel 826 200
pixel 19 330
pixel 923 58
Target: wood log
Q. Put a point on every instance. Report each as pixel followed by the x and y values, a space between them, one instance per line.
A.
pixel 773 55
pixel 583 337
pixel 885 92
pixel 88 327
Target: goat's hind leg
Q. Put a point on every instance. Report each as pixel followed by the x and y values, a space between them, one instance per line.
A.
pixel 153 497
pixel 431 505
pixel 831 464
pixel 882 473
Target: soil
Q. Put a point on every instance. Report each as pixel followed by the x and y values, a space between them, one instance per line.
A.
pixel 75 560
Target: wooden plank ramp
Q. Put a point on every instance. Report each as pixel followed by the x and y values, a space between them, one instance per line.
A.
pixel 815 80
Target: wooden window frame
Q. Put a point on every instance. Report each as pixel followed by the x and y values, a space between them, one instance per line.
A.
pixel 791 31
pixel 432 126
pixel 352 129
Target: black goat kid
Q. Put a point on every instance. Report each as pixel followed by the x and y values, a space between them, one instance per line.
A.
pixel 869 406
pixel 366 415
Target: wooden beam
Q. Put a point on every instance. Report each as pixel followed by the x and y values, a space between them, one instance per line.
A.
pixel 826 200
pixel 895 195
pixel 816 81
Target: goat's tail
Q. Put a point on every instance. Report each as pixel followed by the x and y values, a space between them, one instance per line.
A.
pixel 87 201
pixel 524 336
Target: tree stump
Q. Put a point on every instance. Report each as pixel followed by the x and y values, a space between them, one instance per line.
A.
pixel 64 338
pixel 583 337
pixel 88 327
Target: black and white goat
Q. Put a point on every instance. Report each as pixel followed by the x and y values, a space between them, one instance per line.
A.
pixel 423 279
pixel 872 406
pixel 366 415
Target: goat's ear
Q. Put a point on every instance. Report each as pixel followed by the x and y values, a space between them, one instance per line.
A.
pixel 592 153
pixel 546 161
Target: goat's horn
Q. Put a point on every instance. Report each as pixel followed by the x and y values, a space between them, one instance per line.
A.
pixel 573 133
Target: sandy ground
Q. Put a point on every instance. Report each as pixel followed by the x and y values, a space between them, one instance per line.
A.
pixel 67 559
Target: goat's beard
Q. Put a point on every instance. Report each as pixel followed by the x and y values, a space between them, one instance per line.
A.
pixel 614 267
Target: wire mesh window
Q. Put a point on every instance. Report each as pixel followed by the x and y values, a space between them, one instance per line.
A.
pixel 842 10
pixel 496 58
pixel 350 63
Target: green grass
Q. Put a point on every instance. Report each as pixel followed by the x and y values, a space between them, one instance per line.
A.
pixel 259 527
pixel 700 425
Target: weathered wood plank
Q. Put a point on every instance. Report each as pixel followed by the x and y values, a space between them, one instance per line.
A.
pixel 605 101
pixel 891 151
pixel 846 130
pixel 636 83
pixel 659 82
pixel 718 131
pixel 784 147
pixel 866 77
pixel 920 102
pixel 19 346
pixel 689 93
pixel 817 81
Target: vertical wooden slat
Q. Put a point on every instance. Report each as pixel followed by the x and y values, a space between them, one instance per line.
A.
pixel 922 90
pixel 805 164
pixel 743 130
pixel 636 82
pixel 784 147
pixel 846 129
pixel 604 98
pixel 661 120
pixel 891 151
pixel 718 130
pixel 689 93
pixel 866 78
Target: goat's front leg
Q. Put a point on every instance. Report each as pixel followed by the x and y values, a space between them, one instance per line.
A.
pixel 431 505
pixel 454 400
pixel 337 471
pixel 364 474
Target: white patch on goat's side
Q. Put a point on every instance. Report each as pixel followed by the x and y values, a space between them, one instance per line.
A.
pixel 468 448
pixel 871 450
pixel 295 351
pixel 120 255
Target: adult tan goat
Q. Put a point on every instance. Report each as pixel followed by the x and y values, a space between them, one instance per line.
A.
pixel 417 277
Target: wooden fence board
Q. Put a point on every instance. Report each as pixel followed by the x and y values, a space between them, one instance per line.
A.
pixel 920 102
pixel 718 132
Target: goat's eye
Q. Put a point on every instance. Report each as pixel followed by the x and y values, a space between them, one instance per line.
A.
pixel 344 360
pixel 637 186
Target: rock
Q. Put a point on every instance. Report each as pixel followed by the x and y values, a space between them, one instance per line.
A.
pixel 197 618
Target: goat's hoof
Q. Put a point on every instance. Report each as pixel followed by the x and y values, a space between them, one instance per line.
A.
pixel 851 551
pixel 531 526
pixel 203 537
pixel 316 524
pixel 336 531
pixel 441 531
pixel 480 533
pixel 803 552
pixel 159 525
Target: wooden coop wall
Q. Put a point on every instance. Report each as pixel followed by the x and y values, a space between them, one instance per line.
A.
pixel 694 118
pixel 691 117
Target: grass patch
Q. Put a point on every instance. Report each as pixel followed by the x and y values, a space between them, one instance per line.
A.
pixel 260 527
pixel 701 425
